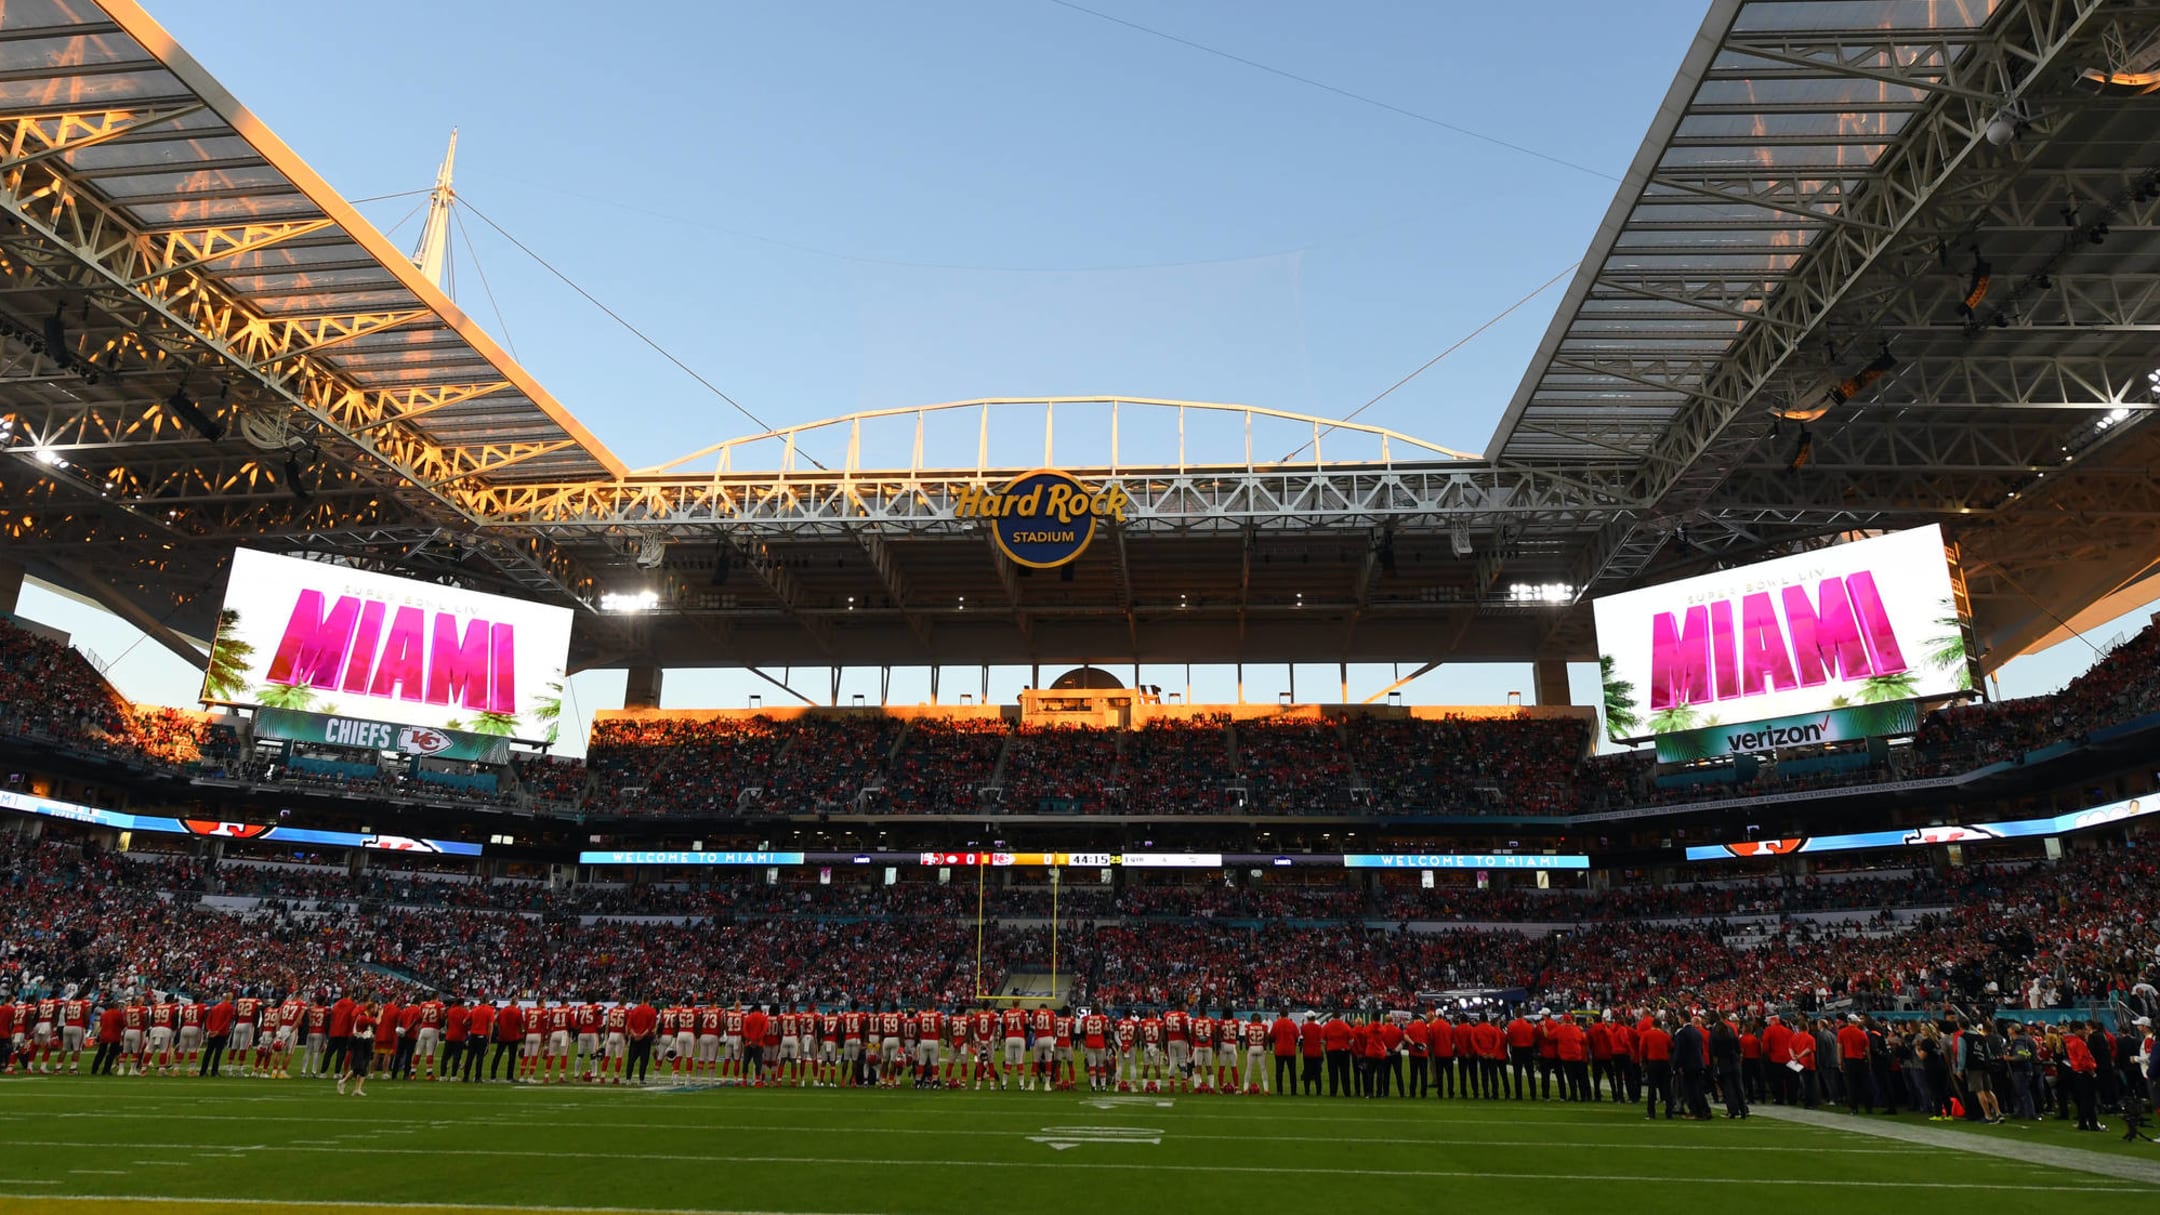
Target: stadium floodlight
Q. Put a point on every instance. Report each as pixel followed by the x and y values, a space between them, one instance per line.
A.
pixel 2009 122
pixel 629 601
pixel 183 407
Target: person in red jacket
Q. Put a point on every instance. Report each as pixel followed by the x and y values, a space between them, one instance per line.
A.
pixel 112 1020
pixel 1492 1048
pixel 1656 1046
pixel 1443 1041
pixel 217 1033
pixel 1852 1046
pixel 1417 1048
pixel 1572 1046
pixel 1312 1046
pixel 479 1034
pixel 2084 1077
pixel 1283 1038
pixel 1777 1053
pixel 456 1023
pixel 359 1057
pixel 639 1024
pixel 341 1019
pixel 1751 1061
pixel 1336 1036
pixel 1801 1046
pixel 509 1040
pixel 1627 1062
pixel 1522 1055
pixel 1599 1039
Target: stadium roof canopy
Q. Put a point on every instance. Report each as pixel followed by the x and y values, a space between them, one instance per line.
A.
pixel 1877 264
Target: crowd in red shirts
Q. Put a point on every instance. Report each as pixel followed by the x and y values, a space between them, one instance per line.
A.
pixel 943 766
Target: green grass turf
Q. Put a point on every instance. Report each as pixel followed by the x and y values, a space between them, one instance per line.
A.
pixel 914 1153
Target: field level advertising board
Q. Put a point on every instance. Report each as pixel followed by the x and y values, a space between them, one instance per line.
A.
pixel 320 638
pixel 1870 622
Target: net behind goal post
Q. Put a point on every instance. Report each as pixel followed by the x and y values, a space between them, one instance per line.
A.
pixel 982 932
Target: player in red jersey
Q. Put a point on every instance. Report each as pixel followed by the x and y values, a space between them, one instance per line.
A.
pixel 164 1022
pixel 45 1032
pixel 956 1060
pixel 134 1025
pixel 731 1044
pixel 562 1018
pixel 1153 1064
pixel 74 1030
pixel 191 1034
pixel 1128 1046
pixel 426 1039
pixel 1013 1022
pixel 1061 1068
pixel 787 1069
pixel 1177 1049
pixel 1042 1048
pixel 20 1014
pixel 707 1062
pixel 929 1047
pixel 1094 1048
pixel 890 1047
pixel 1202 1030
pixel 851 1046
pixel 247 1019
pixel 982 1033
pixel 585 1023
pixel 615 1042
pixel 910 1042
pixel 292 1016
pixel 828 1056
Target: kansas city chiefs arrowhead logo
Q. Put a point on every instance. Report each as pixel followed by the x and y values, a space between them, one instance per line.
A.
pixel 420 740
pixel 235 831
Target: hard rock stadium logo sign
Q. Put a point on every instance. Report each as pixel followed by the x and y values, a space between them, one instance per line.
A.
pixel 1042 519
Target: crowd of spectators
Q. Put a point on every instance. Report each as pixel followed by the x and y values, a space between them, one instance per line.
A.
pixel 1060 770
pixel 1176 766
pixel 2038 934
pixel 872 763
pixel 50 693
pixel 677 766
pixel 554 782
pixel 1519 766
pixel 944 764
pixel 1294 766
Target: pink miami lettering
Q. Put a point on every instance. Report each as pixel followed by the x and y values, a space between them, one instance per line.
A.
pixel 366 648
pixel 1710 652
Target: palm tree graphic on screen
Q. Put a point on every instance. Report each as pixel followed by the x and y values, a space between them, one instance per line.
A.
pixel 1620 719
pixel 225 678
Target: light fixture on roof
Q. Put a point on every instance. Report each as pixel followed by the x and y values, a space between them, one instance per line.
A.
pixel 299 462
pixel 2009 122
pixel 183 407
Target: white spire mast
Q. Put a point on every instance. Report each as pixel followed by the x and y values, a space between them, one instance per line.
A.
pixel 431 255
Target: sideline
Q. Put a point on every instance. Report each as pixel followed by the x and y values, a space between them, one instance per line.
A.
pixel 2122 1168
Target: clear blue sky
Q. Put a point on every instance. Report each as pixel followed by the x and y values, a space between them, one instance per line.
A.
pixel 838 204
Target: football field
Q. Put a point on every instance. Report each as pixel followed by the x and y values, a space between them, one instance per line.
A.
pixel 272 1148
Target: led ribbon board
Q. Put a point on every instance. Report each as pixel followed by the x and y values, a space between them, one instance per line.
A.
pixel 1918 837
pixel 218 829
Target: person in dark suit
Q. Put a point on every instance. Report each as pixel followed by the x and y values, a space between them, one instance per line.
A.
pixel 1725 1052
pixel 1691 1059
